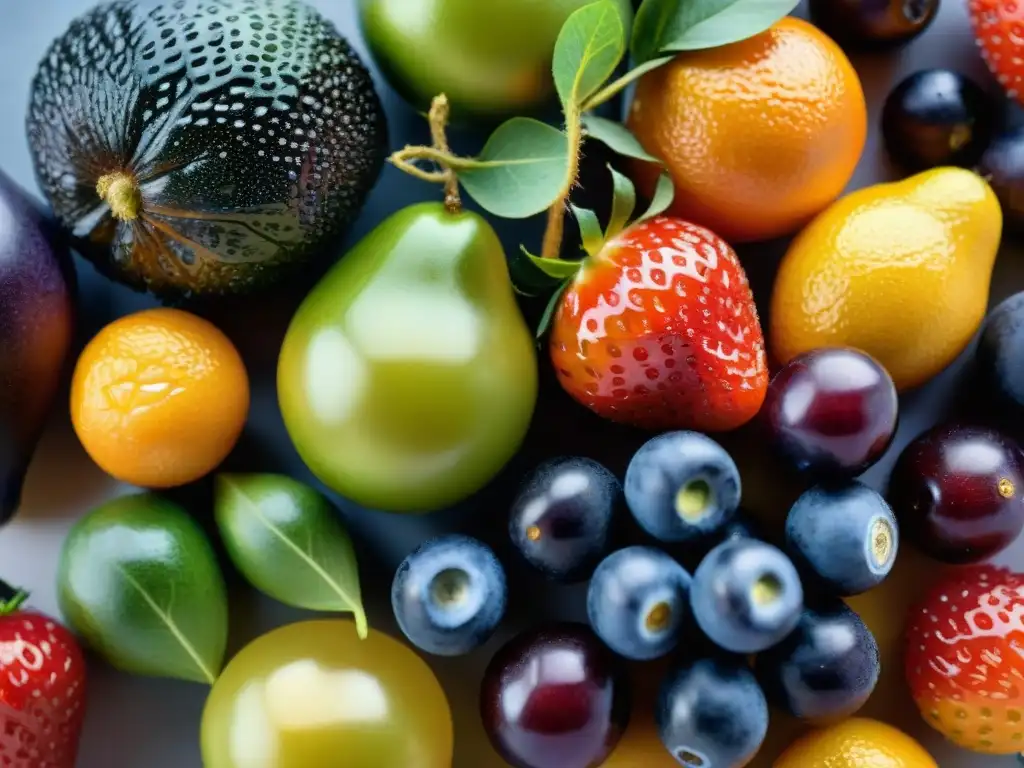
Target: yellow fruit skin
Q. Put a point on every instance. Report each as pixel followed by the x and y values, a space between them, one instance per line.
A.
pixel 899 270
pixel 856 743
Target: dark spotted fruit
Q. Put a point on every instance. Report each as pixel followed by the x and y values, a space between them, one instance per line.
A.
pixel 204 146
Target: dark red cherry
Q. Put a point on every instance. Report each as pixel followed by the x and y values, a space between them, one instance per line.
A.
pixel 957 492
pixel 831 412
pixel 555 697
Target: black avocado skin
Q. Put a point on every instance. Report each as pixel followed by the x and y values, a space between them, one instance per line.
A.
pixel 250 130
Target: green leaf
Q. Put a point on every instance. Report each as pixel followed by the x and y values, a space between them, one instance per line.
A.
pixel 616 137
pixel 288 541
pixel 552 306
pixel 664 192
pixel 589 47
pixel 623 203
pixel 670 26
pixel 521 170
pixel 560 269
pixel 139 582
pixel 590 229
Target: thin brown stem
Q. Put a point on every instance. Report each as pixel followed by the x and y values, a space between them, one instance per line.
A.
pixel 440 109
pixel 553 234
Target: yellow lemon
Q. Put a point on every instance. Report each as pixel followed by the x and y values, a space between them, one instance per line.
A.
pixel 898 270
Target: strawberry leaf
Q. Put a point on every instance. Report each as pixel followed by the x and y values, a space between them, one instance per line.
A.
pixel 616 137
pixel 520 171
pixel 589 47
pixel 670 26
pixel 560 269
pixel 664 193
pixel 590 229
pixel 549 310
pixel 623 204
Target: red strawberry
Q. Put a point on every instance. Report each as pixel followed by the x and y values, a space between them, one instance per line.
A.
pixel 999 30
pixel 965 658
pixel 659 330
pixel 42 690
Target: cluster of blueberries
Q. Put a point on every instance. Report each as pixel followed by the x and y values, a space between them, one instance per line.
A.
pixel 813 655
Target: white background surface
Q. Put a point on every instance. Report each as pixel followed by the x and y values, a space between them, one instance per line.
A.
pixel 141 723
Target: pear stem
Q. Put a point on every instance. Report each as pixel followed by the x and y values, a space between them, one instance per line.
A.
pixel 120 191
pixel 439 155
pixel 440 109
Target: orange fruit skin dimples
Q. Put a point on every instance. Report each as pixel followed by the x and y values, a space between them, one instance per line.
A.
pixel 159 398
pixel 758 136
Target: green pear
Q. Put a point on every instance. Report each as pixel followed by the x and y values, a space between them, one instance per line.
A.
pixel 408 377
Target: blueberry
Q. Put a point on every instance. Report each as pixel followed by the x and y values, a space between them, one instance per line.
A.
pixel 711 713
pixel 746 595
pixel 682 486
pixel 638 602
pixel 846 537
pixel 826 669
pixel 999 360
pixel 449 595
pixel 561 519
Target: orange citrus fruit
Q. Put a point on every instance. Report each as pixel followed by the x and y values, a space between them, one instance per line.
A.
pixel 159 398
pixel 856 743
pixel 758 135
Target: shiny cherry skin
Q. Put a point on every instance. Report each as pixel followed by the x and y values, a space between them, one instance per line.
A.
pixel 555 697
pixel 958 492
pixel 865 24
pixel 831 412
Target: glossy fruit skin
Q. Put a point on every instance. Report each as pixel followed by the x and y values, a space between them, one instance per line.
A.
pixel 855 743
pixel 872 24
pixel 746 595
pixel 555 697
pixel 124 554
pixel 682 486
pixel 831 412
pixel 42 692
pixel 225 208
pixel 327 693
pixel 492 60
pixel 37 319
pixel 825 669
pixel 391 368
pixel 996 25
pixel 449 595
pixel 563 516
pixel 712 712
pixel 937 117
pixel 159 398
pixel 843 538
pixel 1003 165
pixel 919 251
pixel 971 613
pixel 638 602
pixel 660 331
pixel 723 120
pixel 999 362
pixel 957 492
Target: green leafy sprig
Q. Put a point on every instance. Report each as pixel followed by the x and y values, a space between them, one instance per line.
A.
pixel 527 166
